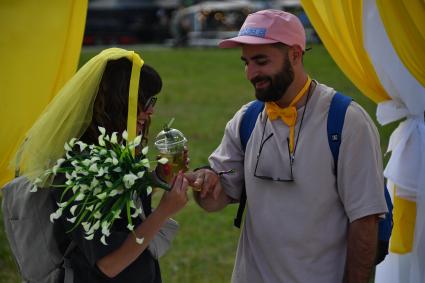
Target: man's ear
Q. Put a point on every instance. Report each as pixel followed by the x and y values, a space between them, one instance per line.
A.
pixel 297 55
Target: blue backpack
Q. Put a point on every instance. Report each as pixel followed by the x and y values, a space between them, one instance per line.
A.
pixel 335 123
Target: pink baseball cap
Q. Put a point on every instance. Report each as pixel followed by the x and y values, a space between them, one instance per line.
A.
pixel 266 27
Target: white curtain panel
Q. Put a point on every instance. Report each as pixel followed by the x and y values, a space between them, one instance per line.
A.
pixel 406 167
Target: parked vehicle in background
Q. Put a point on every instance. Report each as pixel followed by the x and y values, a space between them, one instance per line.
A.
pixel 206 23
pixel 128 21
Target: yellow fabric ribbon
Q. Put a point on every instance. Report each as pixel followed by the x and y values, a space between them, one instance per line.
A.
pixel 287 114
pixel 404 216
pixel 132 96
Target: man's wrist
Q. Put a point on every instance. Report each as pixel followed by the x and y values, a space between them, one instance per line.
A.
pixel 204 167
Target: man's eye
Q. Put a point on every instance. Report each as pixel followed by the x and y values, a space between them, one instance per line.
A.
pixel 262 62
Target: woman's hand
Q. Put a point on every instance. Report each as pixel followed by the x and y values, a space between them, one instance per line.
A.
pixel 176 198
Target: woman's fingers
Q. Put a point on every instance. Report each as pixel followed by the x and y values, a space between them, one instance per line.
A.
pixel 178 182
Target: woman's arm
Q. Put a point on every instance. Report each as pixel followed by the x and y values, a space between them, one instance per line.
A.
pixel 115 262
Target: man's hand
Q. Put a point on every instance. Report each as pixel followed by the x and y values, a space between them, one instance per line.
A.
pixel 206 181
pixel 208 191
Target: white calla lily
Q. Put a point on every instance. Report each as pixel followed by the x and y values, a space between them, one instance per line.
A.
pixel 137 140
pixel 86 162
pixel 72 209
pixel 93 168
pixel 106 231
pixel 97 215
pixel 102 196
pixel 163 160
pixel 89 237
pixel 84 187
pixel 102 130
pixel 80 196
pixel 94 183
pixel 114 138
pixel 132 204
pixel 116 214
pixel 72 142
pixel 55 215
pixel 82 145
pixel 137 212
pixel 125 135
pixel 145 163
pixel 75 188
pixel 100 172
pixel 61 205
pixel 86 226
pixel 94 227
pixel 97 190
pixel 67 147
pixel 129 180
pixel 103 240
pixel 72 220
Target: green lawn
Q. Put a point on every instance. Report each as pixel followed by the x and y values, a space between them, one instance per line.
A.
pixel 202 90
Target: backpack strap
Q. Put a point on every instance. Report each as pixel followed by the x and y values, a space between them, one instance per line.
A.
pixel 248 121
pixel 247 125
pixel 336 117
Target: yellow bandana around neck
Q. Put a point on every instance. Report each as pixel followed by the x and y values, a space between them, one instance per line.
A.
pixel 287 114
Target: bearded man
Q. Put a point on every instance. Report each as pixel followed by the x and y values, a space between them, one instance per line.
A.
pixel 304 222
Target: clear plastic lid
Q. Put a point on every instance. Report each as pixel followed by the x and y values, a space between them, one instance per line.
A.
pixel 170 140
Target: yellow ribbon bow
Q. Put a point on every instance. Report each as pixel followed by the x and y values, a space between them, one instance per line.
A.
pixel 287 114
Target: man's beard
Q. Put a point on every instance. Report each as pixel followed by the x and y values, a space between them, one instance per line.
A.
pixel 278 83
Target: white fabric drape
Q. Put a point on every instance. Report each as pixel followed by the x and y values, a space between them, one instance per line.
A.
pixel 406 167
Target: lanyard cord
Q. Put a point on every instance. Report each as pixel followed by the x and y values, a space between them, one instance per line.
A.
pixel 301 122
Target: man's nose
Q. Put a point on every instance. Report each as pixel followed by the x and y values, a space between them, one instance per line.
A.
pixel 150 110
pixel 251 71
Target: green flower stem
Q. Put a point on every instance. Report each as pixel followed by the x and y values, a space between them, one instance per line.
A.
pixel 118 205
pixel 129 213
pixel 79 220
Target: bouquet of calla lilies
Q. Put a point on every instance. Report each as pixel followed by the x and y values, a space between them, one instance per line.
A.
pixel 102 183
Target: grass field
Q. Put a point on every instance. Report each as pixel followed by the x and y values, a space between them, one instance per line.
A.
pixel 202 90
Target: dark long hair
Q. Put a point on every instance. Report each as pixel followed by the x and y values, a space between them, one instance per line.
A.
pixel 111 105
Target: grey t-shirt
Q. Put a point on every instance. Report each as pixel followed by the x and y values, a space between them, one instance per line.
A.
pixel 297 231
